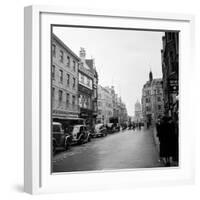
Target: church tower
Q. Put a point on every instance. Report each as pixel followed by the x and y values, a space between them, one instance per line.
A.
pixel 150 76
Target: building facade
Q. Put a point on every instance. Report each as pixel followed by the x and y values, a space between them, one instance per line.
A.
pixel 87 89
pixel 170 70
pixel 64 74
pixel 152 100
pixel 105 105
pixel 123 116
pixel 138 112
pixel 110 106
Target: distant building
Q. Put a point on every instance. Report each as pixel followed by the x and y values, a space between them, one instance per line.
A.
pixel 114 101
pixel 170 69
pixel 152 100
pixel 138 112
pixel 105 105
pixel 64 73
pixel 123 113
pixel 119 108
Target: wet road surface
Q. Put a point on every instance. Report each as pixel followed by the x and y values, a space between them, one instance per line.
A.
pixel 124 150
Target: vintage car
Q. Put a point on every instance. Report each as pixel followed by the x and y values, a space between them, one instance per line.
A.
pixel 60 140
pixel 99 130
pixel 112 127
pixel 80 134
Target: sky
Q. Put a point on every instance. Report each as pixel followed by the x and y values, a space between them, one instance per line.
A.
pixel 123 58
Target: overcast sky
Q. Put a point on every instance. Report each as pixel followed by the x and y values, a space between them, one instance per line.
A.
pixel 123 58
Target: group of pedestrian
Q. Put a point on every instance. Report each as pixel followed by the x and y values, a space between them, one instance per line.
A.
pixel 167 133
pixel 134 126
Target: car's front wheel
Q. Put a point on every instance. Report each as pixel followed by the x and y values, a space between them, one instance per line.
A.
pixel 89 138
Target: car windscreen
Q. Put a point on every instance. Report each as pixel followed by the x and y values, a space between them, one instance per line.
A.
pixel 56 128
pixel 75 129
pixel 99 126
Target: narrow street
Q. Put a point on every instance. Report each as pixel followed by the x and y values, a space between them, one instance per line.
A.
pixel 124 150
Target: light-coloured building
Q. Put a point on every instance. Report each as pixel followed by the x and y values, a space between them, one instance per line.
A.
pixel 138 112
pixel 105 105
pixel 64 72
pixel 119 110
pixel 152 100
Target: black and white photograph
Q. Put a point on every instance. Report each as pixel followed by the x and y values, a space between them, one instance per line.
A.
pixel 114 98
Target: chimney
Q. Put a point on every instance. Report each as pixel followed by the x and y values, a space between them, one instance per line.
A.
pixel 82 53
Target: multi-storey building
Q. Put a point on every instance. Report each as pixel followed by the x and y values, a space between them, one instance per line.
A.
pixel 114 102
pixel 87 89
pixel 91 65
pixel 119 110
pixel 152 100
pixel 170 56
pixel 105 105
pixel 64 73
pixel 138 112
pixel 123 113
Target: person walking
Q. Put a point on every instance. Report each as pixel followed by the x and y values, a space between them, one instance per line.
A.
pixel 165 138
pixel 173 138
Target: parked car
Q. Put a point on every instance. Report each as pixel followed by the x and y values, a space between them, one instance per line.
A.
pixel 60 140
pixel 80 134
pixel 113 127
pixel 99 130
pixel 110 127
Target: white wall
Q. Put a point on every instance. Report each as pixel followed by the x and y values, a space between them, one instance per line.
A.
pixel 11 101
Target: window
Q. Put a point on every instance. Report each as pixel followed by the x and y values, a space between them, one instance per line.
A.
pixel 74 82
pixel 82 78
pixel 74 66
pixel 53 94
pixel 61 76
pixel 147 100
pixel 159 107
pixel 67 98
pixel 53 72
pixel 73 100
pixel 148 109
pixel 68 79
pixel 158 99
pixel 54 50
pixel 60 96
pixel 68 61
pixel 147 92
pixel 169 36
pixel 171 55
pixel 61 56
pixel 88 82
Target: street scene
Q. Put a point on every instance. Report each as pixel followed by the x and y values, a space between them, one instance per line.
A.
pixel 114 99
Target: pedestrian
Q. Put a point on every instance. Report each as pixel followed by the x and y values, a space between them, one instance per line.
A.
pixel 165 135
pixel 158 130
pixel 133 126
pixel 174 138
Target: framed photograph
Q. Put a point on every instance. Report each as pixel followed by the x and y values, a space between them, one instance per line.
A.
pixel 106 99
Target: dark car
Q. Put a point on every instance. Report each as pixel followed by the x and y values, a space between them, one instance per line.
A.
pixel 60 140
pixel 80 134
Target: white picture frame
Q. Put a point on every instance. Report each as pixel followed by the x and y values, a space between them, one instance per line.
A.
pixel 37 172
